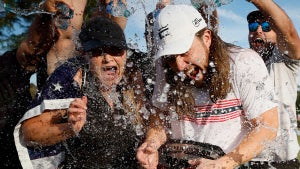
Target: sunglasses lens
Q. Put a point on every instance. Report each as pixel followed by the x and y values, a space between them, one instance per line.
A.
pixel 113 51
pixel 97 52
pixel 253 26
pixel 265 26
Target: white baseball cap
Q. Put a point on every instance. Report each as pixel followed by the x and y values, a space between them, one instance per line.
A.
pixel 175 29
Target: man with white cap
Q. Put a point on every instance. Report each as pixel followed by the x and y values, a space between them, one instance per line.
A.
pixel 218 98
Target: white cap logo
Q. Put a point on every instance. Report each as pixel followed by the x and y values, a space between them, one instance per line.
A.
pixel 197 21
pixel 163 32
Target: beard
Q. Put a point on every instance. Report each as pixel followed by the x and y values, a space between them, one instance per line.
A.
pixel 264 50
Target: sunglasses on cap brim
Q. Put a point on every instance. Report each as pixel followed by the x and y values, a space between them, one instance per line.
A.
pixel 265 26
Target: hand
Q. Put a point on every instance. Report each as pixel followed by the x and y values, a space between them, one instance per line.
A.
pixel 147 155
pixel 203 163
pixel 51 5
pixel 77 114
pixel 162 4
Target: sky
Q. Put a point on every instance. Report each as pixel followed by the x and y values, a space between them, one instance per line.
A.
pixel 232 17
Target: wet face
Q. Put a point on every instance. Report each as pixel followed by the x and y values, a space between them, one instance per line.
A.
pixel 108 64
pixel 261 36
pixel 193 63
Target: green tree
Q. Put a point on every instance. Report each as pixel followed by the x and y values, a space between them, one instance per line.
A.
pixel 12 26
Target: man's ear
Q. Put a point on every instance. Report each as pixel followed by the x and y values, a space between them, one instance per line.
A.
pixel 206 38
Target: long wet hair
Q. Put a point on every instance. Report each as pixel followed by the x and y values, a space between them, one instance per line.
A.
pixel 133 94
pixel 216 80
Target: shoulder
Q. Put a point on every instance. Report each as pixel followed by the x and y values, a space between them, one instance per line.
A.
pixel 245 57
pixel 237 53
pixel 278 57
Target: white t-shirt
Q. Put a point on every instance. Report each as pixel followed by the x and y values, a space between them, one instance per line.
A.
pixel 220 123
pixel 284 76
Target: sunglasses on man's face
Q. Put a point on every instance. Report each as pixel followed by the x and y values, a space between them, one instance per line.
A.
pixel 265 26
pixel 113 51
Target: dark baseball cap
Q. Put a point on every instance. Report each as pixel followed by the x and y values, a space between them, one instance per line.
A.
pixel 255 16
pixel 102 32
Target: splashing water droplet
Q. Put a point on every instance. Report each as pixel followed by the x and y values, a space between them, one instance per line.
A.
pixel 152 111
pixel 179 102
pixel 182 76
pixel 161 116
pixel 130 64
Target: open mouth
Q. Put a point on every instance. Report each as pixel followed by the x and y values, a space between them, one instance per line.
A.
pixel 259 41
pixel 193 72
pixel 110 71
pixel 110 68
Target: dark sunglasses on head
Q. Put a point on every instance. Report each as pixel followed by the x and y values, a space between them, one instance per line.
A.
pixel 113 51
pixel 265 26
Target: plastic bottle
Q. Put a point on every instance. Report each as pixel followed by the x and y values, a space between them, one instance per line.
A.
pixel 118 10
pixel 62 20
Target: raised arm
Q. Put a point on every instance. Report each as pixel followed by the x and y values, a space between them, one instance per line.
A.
pixel 40 37
pixel 64 48
pixel 287 37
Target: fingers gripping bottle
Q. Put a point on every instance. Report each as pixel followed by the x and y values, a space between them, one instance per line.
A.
pixel 118 10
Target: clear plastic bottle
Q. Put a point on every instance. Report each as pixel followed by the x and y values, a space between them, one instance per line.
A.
pixel 118 10
pixel 62 20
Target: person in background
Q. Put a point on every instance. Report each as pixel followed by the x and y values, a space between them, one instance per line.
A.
pixel 92 107
pixel 218 98
pixel 273 35
pixel 16 68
